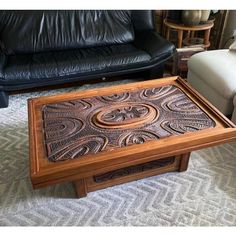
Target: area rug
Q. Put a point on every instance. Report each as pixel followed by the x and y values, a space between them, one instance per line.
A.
pixel 204 195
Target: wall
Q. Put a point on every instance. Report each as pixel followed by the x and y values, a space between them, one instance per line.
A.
pixel 230 25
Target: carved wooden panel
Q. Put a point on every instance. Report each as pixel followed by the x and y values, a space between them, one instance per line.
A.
pixel 133 169
pixel 75 128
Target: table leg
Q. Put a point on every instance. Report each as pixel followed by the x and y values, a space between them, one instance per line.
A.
pixel 184 162
pixel 188 34
pixel 81 188
pixel 168 33
pixel 192 34
pixel 180 38
pixel 206 37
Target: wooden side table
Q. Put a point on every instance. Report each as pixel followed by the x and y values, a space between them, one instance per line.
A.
pixel 190 31
pixel 180 59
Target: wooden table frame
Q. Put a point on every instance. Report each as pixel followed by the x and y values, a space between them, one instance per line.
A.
pixel 191 31
pixel 83 171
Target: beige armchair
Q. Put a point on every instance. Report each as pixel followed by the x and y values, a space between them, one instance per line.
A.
pixel 213 74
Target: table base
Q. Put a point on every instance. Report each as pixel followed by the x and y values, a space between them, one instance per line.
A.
pixel 131 173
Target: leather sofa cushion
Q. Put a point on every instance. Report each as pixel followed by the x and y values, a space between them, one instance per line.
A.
pixel 39 31
pixel 3 60
pixel 55 65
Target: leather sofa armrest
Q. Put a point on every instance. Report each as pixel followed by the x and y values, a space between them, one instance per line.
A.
pixel 3 60
pixel 143 19
pixel 155 45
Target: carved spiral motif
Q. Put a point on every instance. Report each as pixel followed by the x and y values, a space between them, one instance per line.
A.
pixel 121 97
pixel 77 128
pixel 180 104
pixel 137 137
pixel 65 109
pixel 77 104
pixel 125 115
pixel 82 147
pixel 183 126
pixel 61 128
pixel 157 93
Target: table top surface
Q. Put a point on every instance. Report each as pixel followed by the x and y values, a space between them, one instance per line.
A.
pixel 77 128
pixel 139 119
pixel 180 26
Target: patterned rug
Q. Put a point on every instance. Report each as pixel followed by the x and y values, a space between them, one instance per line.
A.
pixel 204 195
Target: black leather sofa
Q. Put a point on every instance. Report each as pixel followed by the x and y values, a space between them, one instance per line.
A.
pixel 41 48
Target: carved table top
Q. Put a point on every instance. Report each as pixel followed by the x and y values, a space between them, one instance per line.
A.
pixel 88 133
pixel 73 129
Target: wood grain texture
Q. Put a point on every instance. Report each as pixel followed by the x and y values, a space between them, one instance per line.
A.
pixel 184 162
pixel 81 188
pixel 177 26
pixel 44 172
pixel 206 27
pixel 128 174
pixel 133 169
pixel 74 129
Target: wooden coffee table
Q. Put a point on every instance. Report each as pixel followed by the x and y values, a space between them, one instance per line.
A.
pixel 103 137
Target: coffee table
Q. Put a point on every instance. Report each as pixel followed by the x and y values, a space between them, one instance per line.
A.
pixel 107 136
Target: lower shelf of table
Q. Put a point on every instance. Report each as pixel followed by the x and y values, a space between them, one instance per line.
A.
pixel 131 173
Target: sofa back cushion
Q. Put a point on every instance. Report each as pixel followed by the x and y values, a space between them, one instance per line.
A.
pixel 37 30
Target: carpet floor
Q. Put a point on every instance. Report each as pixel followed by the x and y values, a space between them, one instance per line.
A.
pixel 204 195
